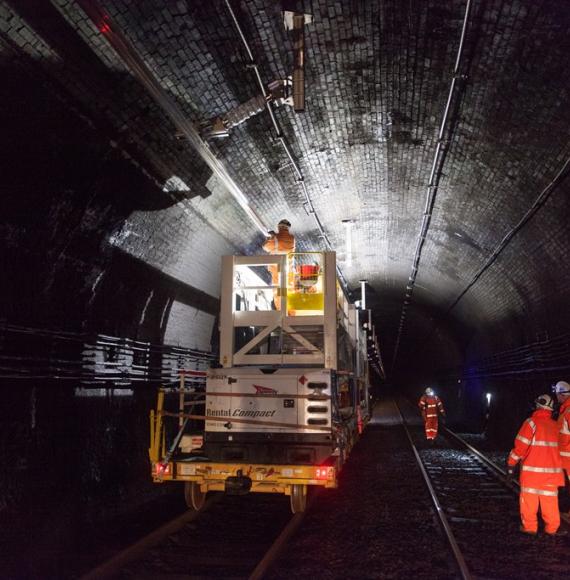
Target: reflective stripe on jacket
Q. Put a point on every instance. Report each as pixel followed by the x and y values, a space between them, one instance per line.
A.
pixel 430 405
pixel 280 243
pixel 564 433
pixel 536 447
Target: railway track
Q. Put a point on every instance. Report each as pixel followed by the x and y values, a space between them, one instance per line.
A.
pixel 232 537
pixel 478 512
pixel 240 537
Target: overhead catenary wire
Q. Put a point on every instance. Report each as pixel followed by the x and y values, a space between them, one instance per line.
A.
pixel 300 179
pixel 137 66
pixel 455 92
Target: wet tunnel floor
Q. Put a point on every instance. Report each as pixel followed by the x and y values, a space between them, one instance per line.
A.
pixel 379 523
pixel 32 545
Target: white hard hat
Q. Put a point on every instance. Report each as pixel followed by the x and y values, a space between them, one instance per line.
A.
pixel 544 402
pixel 561 387
pixel 429 391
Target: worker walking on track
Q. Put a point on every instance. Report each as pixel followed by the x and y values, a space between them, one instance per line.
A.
pixel 430 406
pixel 562 390
pixel 536 448
pixel 280 242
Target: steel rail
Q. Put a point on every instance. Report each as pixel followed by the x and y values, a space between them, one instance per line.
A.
pixel 277 547
pixel 135 63
pixel 496 469
pixel 493 466
pixel 513 485
pixel 281 138
pixel 135 551
pixel 125 557
pixel 464 570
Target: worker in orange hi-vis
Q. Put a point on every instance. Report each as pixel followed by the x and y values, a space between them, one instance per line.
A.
pixel 541 474
pixel 280 242
pixel 562 390
pixel 430 406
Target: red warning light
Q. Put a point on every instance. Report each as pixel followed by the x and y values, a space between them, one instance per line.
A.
pixel 104 28
pixel 324 473
pixel 162 468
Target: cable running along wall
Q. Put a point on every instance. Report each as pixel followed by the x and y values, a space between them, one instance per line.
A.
pixel 444 137
pixel 135 64
pixel 299 177
pixel 92 359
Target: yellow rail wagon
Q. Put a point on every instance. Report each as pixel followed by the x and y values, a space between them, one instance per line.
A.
pixel 290 396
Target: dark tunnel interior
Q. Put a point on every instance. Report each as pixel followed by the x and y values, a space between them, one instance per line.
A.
pixel 111 280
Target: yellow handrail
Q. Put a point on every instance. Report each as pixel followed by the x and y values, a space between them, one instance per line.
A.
pixel 157 435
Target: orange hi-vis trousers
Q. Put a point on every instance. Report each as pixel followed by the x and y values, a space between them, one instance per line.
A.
pixel 430 424
pixel 530 500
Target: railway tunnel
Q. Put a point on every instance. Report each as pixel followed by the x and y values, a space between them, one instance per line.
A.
pixel 426 143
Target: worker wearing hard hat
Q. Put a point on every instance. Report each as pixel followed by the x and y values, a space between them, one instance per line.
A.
pixel 541 474
pixel 280 242
pixel 562 391
pixel 430 406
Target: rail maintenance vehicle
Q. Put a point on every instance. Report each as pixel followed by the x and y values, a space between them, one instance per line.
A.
pixel 291 394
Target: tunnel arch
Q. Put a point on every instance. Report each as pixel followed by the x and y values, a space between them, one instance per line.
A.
pixel 95 250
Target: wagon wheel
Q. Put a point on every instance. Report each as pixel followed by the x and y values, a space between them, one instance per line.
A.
pixel 194 496
pixel 298 498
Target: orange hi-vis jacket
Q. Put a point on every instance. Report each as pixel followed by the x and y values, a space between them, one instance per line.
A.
pixel 536 447
pixel 280 243
pixel 430 405
pixel 564 434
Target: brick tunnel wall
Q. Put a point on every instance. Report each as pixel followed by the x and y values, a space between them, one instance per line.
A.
pixel 99 266
pixel 93 245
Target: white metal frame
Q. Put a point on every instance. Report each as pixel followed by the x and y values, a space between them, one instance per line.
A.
pixel 274 319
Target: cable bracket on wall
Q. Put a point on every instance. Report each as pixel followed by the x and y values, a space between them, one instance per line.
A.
pixel 445 133
pixel 298 74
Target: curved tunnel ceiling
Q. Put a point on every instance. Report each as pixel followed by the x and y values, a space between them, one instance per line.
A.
pixel 377 82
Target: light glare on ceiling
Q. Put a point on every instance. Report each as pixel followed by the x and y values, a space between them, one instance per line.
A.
pixel 348 237
pixel 174 183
